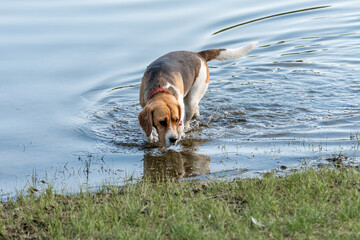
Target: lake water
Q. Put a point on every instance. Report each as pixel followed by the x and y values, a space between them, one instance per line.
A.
pixel 70 74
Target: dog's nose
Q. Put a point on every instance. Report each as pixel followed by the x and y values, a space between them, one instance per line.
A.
pixel 173 140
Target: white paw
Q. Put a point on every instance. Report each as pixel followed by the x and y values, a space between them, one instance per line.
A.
pixel 148 138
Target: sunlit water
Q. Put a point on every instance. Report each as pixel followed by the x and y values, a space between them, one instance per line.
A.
pixel 70 74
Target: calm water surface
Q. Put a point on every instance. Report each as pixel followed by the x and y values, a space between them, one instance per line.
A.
pixel 70 74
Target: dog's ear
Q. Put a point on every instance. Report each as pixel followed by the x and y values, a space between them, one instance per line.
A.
pixel 146 120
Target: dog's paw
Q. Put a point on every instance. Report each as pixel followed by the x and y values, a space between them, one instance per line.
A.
pixel 149 138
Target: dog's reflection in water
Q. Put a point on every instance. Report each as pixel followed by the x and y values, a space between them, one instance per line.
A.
pixel 172 165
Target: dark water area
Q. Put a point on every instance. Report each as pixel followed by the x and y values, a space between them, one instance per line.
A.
pixel 70 73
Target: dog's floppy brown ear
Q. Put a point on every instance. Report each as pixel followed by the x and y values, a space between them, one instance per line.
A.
pixel 146 120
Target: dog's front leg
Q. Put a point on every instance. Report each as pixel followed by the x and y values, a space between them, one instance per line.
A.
pixel 180 131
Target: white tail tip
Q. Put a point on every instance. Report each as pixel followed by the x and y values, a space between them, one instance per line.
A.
pixel 231 54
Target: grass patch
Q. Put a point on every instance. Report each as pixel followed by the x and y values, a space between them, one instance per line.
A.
pixel 313 204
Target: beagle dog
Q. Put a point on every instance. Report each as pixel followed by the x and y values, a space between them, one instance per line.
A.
pixel 172 87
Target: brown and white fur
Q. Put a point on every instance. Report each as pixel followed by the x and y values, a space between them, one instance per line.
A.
pixel 172 87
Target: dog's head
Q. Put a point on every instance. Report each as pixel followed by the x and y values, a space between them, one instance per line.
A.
pixel 162 112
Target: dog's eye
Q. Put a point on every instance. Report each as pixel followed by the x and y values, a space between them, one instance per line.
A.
pixel 163 123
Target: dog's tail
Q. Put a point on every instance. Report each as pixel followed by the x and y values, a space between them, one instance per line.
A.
pixel 226 54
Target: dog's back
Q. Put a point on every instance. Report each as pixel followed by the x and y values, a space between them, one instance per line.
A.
pixel 178 68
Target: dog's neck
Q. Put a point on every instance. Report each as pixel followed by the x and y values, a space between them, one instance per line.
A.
pixel 157 91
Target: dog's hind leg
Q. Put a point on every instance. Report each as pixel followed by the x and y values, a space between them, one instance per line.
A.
pixel 189 112
pixel 196 93
pixel 197 112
